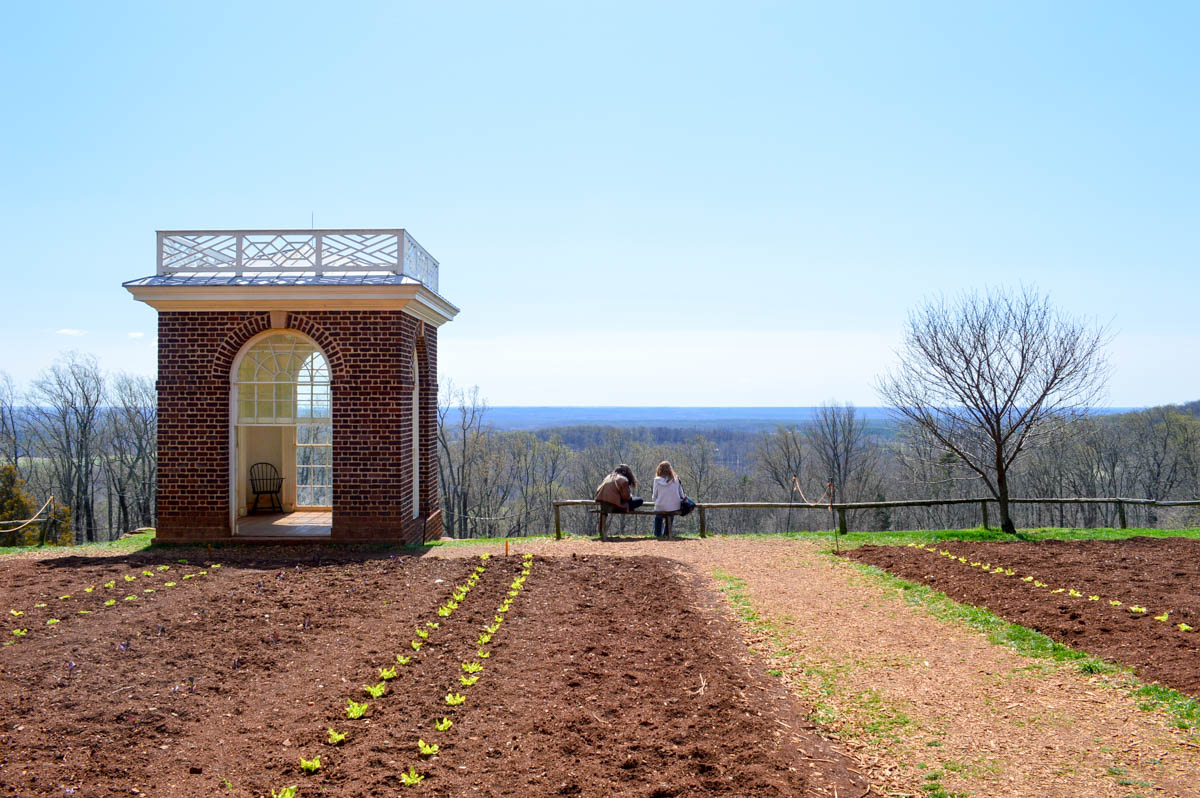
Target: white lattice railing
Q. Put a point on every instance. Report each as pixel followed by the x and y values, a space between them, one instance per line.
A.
pixel 312 251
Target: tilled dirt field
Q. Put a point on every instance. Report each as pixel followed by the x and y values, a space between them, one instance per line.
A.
pixel 607 676
pixel 1123 600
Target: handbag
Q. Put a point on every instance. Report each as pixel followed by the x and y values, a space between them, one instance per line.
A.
pixel 686 505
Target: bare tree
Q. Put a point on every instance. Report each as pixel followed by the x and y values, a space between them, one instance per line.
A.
pixel 65 422
pixel 989 376
pixel 779 455
pixel 838 436
pixel 10 424
pixel 130 453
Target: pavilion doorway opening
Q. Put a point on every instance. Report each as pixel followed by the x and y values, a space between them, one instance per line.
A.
pixel 282 416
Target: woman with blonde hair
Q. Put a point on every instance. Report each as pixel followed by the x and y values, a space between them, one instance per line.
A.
pixel 666 495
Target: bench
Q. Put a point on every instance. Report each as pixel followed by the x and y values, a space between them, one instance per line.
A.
pixel 603 514
pixel 593 507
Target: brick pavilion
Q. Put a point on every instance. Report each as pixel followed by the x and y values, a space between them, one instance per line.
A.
pixel 312 351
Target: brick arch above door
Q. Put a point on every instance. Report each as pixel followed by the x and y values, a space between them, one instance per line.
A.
pixel 228 349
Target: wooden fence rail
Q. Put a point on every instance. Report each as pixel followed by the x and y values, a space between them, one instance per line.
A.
pixel 842 507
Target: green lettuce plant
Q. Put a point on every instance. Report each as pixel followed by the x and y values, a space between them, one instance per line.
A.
pixel 443 725
pixel 426 749
pixel 354 710
pixel 310 765
pixel 335 737
pixel 412 777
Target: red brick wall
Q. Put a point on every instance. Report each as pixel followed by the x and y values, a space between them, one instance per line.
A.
pixel 427 360
pixel 370 355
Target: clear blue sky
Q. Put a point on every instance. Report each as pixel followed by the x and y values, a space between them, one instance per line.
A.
pixel 745 199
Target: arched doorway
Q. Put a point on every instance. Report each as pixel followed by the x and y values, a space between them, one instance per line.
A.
pixel 282 415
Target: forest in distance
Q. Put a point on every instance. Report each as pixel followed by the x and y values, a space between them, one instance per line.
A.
pixel 879 420
pixel 88 438
pixel 498 482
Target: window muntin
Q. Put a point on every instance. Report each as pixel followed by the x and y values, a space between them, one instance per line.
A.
pixel 283 380
pixel 314 435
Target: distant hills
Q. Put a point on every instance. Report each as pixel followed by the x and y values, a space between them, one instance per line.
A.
pixel 749 419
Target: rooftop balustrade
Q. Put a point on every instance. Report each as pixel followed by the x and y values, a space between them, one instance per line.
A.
pixel 342 255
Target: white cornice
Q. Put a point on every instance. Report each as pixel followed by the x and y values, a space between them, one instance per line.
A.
pixel 416 300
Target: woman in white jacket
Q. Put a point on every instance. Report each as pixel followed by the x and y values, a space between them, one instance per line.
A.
pixel 666 495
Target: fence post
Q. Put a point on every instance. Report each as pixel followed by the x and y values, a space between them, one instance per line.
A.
pixel 703 523
pixel 557 523
pixel 1121 513
pixel 841 521
pixel 983 510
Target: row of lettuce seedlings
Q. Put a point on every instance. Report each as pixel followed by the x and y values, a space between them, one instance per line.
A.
pixel 1000 570
pixel 454 697
pixel 160 571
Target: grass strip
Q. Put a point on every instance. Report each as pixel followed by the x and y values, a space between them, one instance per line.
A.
pixel 125 545
pixel 1183 710
pixel 853 540
pixel 875 718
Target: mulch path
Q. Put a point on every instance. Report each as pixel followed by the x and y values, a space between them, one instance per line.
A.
pixel 1157 574
pixel 609 676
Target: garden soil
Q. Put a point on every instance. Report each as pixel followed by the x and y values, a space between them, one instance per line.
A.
pixel 1157 575
pixel 608 676
pixel 927 706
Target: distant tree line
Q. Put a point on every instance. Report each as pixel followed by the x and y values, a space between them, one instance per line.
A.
pixel 86 438
pixel 497 483
pixel 992 397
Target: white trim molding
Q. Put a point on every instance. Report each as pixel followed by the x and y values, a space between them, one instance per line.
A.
pixel 415 299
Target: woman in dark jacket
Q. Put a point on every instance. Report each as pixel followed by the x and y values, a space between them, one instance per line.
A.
pixel 616 491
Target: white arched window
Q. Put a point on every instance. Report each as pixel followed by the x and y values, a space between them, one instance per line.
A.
pixel 283 380
pixel 416 439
